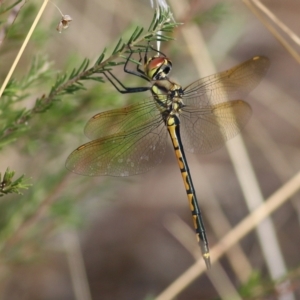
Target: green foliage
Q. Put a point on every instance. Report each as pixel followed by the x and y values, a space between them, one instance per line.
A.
pixel 8 185
pixel 253 285
pixel 150 298
pixel 15 121
pixel 259 287
pixel 215 14
pixel 14 117
pixel 64 210
pixel 19 28
pixel 40 111
pixel 8 6
pixel 71 83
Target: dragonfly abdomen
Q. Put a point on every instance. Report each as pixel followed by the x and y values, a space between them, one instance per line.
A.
pixel 173 126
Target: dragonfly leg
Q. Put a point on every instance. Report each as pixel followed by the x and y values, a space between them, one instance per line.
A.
pixel 139 72
pixel 125 90
pixel 155 50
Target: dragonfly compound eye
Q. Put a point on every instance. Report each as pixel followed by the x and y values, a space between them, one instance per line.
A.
pixel 158 68
pixel 166 68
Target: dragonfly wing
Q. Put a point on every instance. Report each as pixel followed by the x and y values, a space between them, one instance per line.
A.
pixel 120 120
pixel 206 129
pixel 121 154
pixel 232 84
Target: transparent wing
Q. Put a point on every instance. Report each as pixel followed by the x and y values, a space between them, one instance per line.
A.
pixel 121 120
pixel 133 150
pixel 229 85
pixel 206 129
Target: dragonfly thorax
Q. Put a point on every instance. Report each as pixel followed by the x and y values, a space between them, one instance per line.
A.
pixel 168 95
pixel 165 88
pixel 158 68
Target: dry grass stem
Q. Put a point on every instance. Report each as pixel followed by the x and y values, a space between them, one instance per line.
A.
pixel 186 236
pixel 76 265
pixel 236 234
pixel 239 157
pixel 28 36
pixel 222 283
pixel 236 256
pixel 280 24
pixel 183 234
pixel 274 31
pixel 248 183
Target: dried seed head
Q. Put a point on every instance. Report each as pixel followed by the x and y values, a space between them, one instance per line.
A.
pixel 64 23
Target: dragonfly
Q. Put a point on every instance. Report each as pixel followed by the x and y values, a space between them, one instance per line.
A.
pixel 199 118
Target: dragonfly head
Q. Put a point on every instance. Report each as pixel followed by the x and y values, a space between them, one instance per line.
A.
pixel 158 68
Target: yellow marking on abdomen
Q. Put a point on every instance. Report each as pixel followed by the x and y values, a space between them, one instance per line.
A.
pixel 206 255
pixel 190 198
pixel 195 221
pixel 186 184
pixel 178 155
